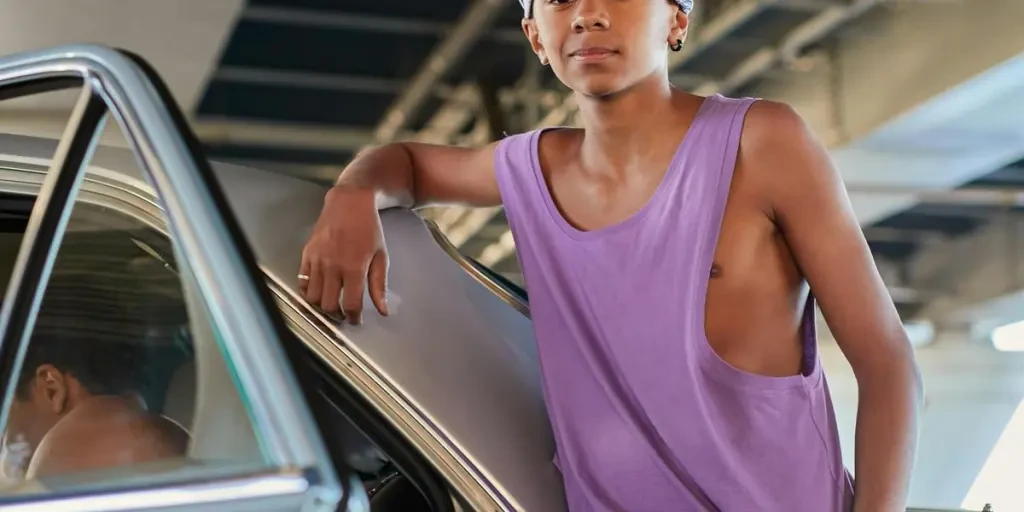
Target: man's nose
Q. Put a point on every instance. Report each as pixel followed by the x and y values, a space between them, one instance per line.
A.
pixel 590 15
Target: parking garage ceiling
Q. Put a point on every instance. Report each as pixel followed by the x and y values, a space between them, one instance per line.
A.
pixel 303 84
pixel 300 85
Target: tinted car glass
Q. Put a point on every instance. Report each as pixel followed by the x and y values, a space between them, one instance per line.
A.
pixel 113 382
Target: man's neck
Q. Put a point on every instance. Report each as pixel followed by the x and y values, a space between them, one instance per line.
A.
pixel 624 129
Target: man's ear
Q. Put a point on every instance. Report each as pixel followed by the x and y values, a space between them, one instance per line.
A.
pixel 52 385
pixel 533 36
pixel 680 27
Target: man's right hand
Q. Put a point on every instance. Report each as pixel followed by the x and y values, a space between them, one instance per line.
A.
pixel 346 250
pixel 346 253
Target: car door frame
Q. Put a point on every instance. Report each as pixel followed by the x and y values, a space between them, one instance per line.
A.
pixel 135 200
pixel 123 86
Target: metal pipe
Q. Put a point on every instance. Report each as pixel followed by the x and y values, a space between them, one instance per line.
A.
pixel 461 38
pixel 281 135
pixel 363 22
pixel 218 130
pixel 789 50
pixel 822 25
pixel 980 196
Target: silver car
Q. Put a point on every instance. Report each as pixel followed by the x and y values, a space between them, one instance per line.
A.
pixel 436 408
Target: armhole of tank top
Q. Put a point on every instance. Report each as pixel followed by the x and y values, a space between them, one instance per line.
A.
pixel 735 113
pixel 513 183
pixel 810 365
pixel 738 109
pixel 501 171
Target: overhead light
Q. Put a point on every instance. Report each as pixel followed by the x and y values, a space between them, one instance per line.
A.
pixel 919 332
pixel 994 486
pixel 1009 337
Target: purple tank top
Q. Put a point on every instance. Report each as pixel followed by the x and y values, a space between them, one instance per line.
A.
pixel 646 415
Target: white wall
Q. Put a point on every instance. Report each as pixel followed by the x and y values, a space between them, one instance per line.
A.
pixel 913 53
pixel 987 271
pixel 182 39
pixel 972 391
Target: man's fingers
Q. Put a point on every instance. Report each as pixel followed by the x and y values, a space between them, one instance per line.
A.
pixel 331 296
pixel 378 281
pixel 352 296
pixel 316 284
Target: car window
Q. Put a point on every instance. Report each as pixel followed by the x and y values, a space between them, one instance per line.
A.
pixel 138 371
pixel 14 212
pixel 122 378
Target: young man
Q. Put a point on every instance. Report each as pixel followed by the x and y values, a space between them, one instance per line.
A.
pixel 667 247
pixel 78 403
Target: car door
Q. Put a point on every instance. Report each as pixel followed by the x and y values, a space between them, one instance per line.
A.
pixel 136 376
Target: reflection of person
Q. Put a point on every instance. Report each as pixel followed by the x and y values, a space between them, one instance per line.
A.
pixel 667 247
pixel 78 407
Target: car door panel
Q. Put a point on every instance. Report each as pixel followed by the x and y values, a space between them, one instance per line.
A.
pixel 455 362
pixel 218 271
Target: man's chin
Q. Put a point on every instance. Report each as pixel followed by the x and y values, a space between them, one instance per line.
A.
pixel 598 93
pixel 599 89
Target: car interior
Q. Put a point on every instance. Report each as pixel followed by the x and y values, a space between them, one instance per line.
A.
pixel 194 387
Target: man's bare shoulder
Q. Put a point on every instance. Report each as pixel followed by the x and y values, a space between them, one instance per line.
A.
pixel 778 147
pixel 117 434
pixel 781 160
pixel 771 125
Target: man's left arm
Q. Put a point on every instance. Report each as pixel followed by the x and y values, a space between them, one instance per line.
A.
pixel 808 202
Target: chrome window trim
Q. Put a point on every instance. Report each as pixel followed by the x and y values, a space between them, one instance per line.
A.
pixel 315 331
pixel 449 458
pixel 124 87
pixel 288 486
pixel 494 286
pixel 114 195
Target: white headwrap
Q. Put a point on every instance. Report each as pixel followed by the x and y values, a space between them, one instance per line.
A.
pixel 685 5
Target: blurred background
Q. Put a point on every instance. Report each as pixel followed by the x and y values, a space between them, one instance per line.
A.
pixel 921 103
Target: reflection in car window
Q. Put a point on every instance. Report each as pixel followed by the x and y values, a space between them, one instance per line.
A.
pixel 14 213
pixel 122 375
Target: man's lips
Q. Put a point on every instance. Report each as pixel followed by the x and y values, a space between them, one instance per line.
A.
pixel 592 54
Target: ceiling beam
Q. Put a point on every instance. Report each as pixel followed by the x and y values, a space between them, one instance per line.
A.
pixel 973 195
pixel 308 80
pixel 474 22
pixel 351 21
pixel 280 135
pixel 326 82
pixel 210 130
pixel 886 234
